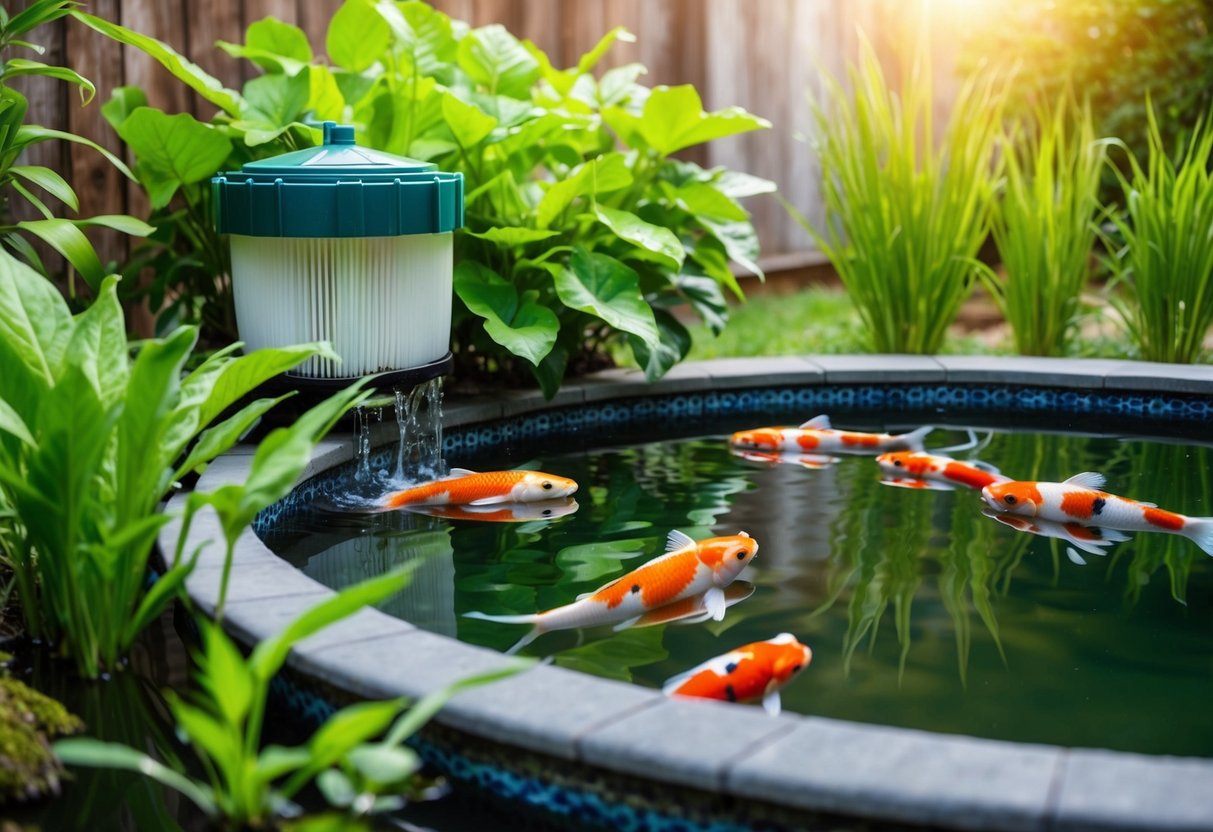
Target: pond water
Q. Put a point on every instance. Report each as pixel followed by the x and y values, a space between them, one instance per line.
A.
pixel 921 611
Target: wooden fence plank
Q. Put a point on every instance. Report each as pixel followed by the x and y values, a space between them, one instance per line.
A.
pixel 210 21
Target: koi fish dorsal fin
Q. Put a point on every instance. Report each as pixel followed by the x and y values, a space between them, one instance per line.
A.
pixel 678 540
pixel 1087 479
pixel 821 422
pixel 456 473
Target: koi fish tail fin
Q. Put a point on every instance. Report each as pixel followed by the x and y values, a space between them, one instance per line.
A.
pixel 913 440
pixel 1200 531
pixel 532 634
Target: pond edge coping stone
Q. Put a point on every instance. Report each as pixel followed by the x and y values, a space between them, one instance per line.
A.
pixel 811 763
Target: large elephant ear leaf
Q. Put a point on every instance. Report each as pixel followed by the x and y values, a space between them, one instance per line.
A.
pixel 600 285
pixel 674 345
pixel 525 328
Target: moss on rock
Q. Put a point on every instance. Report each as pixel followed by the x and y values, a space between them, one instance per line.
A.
pixel 28 720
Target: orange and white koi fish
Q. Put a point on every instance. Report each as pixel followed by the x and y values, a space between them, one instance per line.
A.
pixel 817 436
pixel 755 671
pixel 693 610
pixel 814 462
pixel 502 512
pixel 1092 539
pixel 941 469
pixel 686 569
pixel 464 487
pixel 1081 499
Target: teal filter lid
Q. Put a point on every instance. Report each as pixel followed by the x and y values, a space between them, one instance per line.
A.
pixel 337 190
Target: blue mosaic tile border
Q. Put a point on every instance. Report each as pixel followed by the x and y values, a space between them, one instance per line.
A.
pixel 946 399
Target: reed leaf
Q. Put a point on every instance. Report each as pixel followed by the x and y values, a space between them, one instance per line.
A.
pixel 1044 225
pixel 905 215
pixel 1164 270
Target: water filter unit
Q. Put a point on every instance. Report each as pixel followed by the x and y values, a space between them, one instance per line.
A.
pixel 348 245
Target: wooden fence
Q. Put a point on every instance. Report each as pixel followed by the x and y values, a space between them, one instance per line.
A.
pixel 764 55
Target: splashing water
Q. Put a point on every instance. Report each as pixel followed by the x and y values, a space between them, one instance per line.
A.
pixel 418 414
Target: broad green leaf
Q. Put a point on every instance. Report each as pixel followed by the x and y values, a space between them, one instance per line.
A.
pixel 674 346
pixel 523 327
pixel 11 422
pixel 511 236
pixel 64 237
pixel 551 370
pixel 172 150
pixel 467 123
pixel 350 727
pixel 123 101
pixel 617 85
pixel 337 789
pixel 357 36
pixel 710 254
pixel 705 297
pixel 84 751
pixel 602 175
pixel 423 35
pixel 269 655
pixel 35 323
pixel 325 98
pixel 224 675
pixel 674 118
pixel 118 222
pixel 497 61
pixel 49 181
pixel 703 199
pixel 98 344
pixel 164 591
pixel 737 185
pixel 210 736
pixel 274 103
pixel 273 45
pixel 740 242
pixel 193 76
pixel 653 238
pixel 276 760
pixel 384 765
pixel 600 285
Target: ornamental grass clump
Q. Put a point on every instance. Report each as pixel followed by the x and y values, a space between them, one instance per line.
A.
pixel 1164 269
pixel 1044 225
pixel 906 210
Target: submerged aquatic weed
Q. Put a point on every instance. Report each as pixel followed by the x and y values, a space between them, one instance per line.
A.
pixel 907 210
pixel 1163 284
pixel 1044 225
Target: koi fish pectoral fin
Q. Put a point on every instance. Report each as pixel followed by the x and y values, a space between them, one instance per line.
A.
pixel 771 703
pixel 530 636
pixel 715 602
pixel 623 625
pixel 1075 557
pixel 489 501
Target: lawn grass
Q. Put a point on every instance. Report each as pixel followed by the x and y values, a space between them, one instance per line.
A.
pixel 813 321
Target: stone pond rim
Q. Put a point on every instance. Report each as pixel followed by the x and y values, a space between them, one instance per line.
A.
pixel 804 763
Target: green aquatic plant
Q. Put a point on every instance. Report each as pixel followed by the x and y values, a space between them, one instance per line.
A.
pixel 91 441
pixel 1163 269
pixel 246 784
pixel 1044 225
pixel 907 206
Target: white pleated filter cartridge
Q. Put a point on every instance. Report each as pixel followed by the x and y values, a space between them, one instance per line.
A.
pixel 347 245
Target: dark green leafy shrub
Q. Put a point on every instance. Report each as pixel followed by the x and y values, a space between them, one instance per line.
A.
pixel 582 228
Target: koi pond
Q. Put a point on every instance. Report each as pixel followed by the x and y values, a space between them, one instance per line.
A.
pixel 922 610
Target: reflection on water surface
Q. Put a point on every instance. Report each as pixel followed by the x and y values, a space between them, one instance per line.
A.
pixel 921 610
